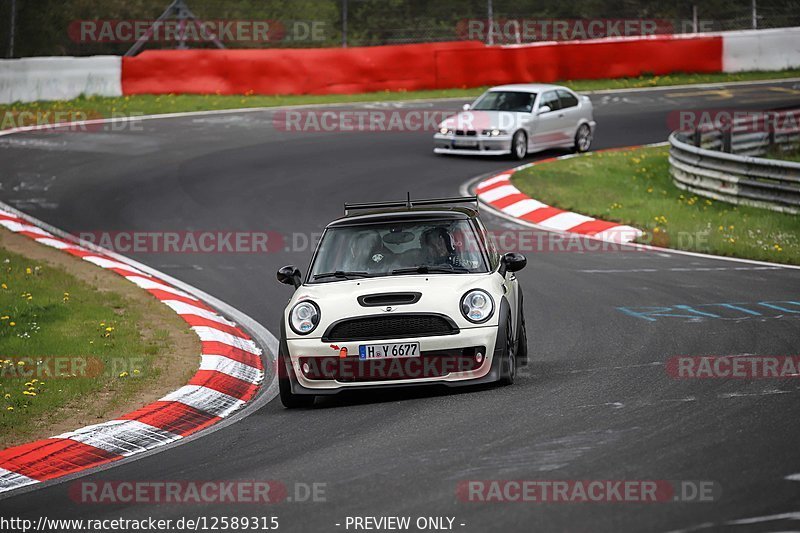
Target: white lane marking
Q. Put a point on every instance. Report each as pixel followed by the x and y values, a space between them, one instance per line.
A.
pixel 500 192
pixel 12 480
pixel 492 181
pixel 523 207
pixel 121 437
pixel 182 308
pixel 564 221
pixel 147 283
pixel 16 227
pixel 674 269
pixel 205 399
pixel 55 243
pixel 102 262
pixel 619 234
pixel 793 477
pixel 235 369
pixel 208 334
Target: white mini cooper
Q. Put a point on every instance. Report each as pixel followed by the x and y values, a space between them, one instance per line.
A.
pixel 401 293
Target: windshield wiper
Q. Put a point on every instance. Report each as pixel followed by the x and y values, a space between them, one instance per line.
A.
pixel 425 269
pixel 344 274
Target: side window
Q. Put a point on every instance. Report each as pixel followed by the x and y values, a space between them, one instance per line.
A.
pixel 550 99
pixel 567 99
pixel 488 240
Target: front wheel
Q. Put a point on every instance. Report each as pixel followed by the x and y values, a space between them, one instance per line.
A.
pixel 508 365
pixel 519 145
pixel 583 139
pixel 289 399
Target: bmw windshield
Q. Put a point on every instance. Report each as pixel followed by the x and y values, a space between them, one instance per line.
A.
pixel 395 248
pixel 505 101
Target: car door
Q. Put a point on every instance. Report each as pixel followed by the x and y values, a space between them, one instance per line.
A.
pixel 571 112
pixel 548 127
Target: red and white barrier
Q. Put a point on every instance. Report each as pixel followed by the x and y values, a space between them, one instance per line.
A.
pixel 59 78
pixel 229 376
pixel 394 68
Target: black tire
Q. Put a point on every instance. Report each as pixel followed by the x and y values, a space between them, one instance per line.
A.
pixel 522 341
pixel 583 139
pixel 519 145
pixel 288 398
pixel 508 366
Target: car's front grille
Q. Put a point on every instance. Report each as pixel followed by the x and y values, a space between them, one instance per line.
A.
pixel 468 133
pixel 431 364
pixel 398 326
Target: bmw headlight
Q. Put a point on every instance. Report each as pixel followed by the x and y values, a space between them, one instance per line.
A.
pixel 493 133
pixel 477 306
pixel 445 131
pixel 304 317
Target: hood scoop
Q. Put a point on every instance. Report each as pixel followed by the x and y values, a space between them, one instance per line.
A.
pixel 389 298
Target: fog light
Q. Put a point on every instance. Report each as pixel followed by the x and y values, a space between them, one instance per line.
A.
pixel 306 368
pixel 479 358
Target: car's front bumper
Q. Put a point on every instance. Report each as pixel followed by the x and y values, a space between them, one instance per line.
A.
pixel 466 145
pixel 302 350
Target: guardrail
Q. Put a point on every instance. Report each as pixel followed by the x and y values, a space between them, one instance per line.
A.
pixel 721 163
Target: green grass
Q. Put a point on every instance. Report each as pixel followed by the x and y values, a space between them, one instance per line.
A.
pixel 634 187
pixel 96 107
pixel 792 155
pixel 49 316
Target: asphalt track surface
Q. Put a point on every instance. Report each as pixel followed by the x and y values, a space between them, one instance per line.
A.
pixel 595 403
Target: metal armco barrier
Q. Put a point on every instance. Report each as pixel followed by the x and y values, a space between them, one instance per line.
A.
pixel 723 165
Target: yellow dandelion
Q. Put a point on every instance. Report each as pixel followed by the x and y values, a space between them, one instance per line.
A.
pixel 9 408
pixel 28 270
pixel 6 396
pixel 12 324
pixel 123 374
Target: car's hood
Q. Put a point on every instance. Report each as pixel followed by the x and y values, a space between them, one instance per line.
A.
pixel 487 120
pixel 440 293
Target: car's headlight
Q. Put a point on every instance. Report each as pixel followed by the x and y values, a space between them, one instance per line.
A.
pixel 304 317
pixel 445 131
pixel 493 133
pixel 477 306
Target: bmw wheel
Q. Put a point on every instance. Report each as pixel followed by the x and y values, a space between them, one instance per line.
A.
pixel 519 145
pixel 583 139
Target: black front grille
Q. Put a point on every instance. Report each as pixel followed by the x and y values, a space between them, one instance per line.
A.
pixel 468 133
pixel 390 327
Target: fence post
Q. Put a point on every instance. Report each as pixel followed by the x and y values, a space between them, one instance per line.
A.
pixel 727 140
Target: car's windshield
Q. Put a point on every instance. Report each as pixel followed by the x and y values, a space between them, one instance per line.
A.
pixel 505 101
pixel 397 248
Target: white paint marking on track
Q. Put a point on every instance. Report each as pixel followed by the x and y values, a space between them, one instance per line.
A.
pixel 228 366
pixel 121 437
pixel 182 308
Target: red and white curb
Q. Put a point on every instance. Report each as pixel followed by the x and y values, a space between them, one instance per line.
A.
pixel 230 373
pixel 498 192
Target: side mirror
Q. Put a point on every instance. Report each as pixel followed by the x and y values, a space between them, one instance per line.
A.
pixel 513 262
pixel 466 107
pixel 544 109
pixel 289 275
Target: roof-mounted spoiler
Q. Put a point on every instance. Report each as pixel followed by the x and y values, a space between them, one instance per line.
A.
pixel 408 203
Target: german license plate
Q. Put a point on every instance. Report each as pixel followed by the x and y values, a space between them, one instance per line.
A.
pixel 465 143
pixel 388 351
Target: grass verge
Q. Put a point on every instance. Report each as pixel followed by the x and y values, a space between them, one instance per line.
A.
pixel 79 345
pixel 97 107
pixel 634 187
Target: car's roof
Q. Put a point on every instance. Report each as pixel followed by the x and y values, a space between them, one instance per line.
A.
pixel 528 87
pixel 405 214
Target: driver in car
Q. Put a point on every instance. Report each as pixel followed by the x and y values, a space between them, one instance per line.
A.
pixel 438 246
